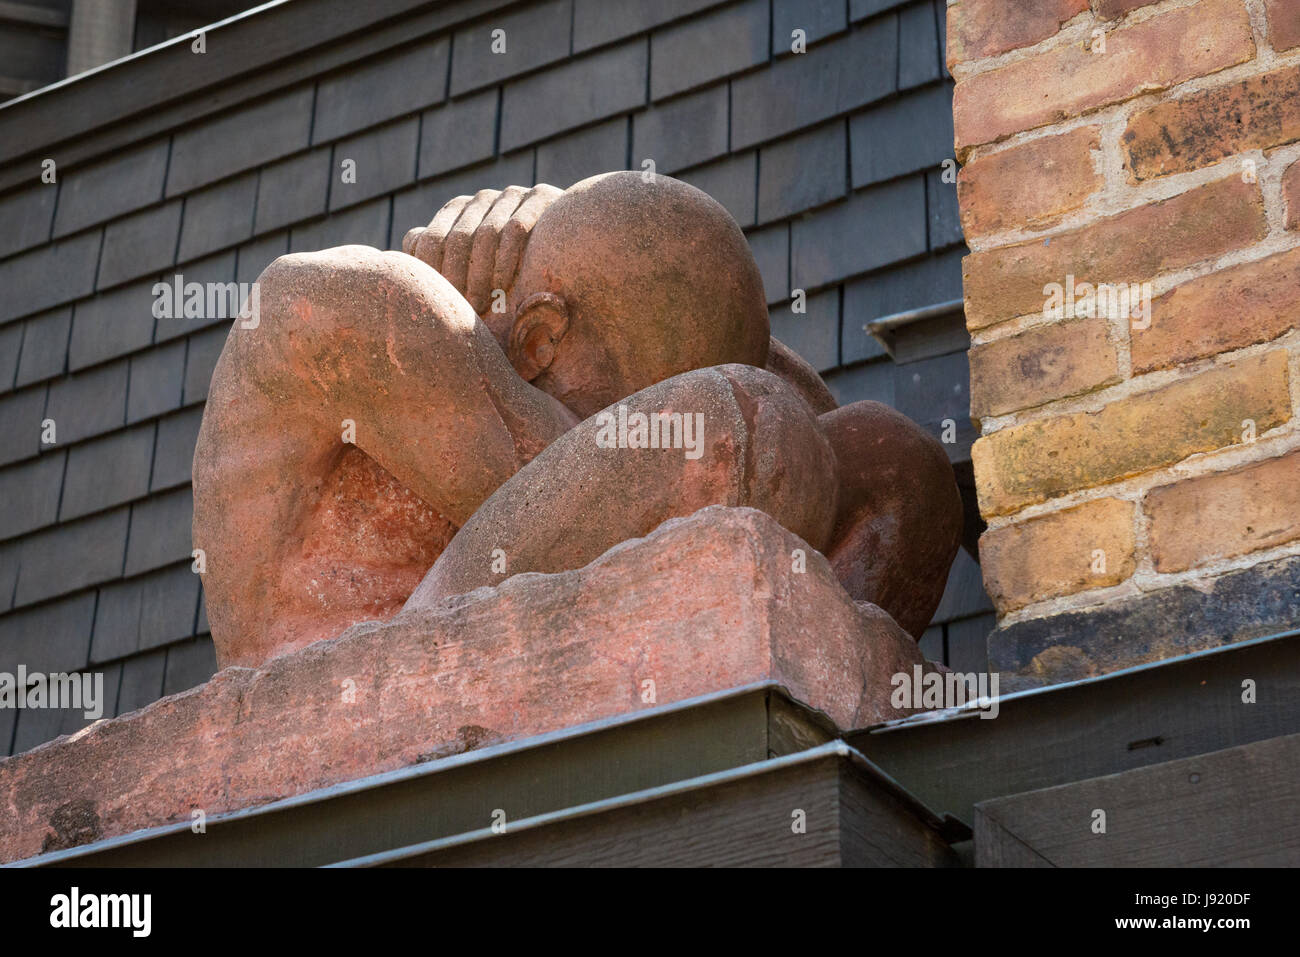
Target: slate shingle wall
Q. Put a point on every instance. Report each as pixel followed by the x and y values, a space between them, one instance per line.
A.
pixel 829 159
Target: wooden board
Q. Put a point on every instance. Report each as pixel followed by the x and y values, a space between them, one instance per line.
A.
pixel 1229 808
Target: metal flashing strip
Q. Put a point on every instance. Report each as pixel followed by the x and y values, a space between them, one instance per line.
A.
pixel 973 708
pixel 883 329
pixel 949 828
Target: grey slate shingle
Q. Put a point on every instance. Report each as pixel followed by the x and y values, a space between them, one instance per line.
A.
pixel 817 18
pixel 157 378
pixel 458 133
pixel 204 350
pixel 189 664
pixel 771 248
pixel 144 613
pixel 844 74
pixel 260 253
pixel 418 205
pixel 396 83
pixel 139 244
pixel 597 149
pixel 918 45
pixel 53 637
pixel 111 324
pixel 27 216
pixel 240 140
pixel 945 220
pixel 70 556
pixel 366 225
pixel 384 160
pixel 45 346
pixel 577 92
pixel 861 9
pixel 160 531
pixel 911 133
pixel 11 339
pixel 815 334
pixel 173 454
pixel 88 403
pixel 872 381
pixel 534 36
pixel 35 726
pixel 30 493
pixel 596 22
pixel 731 181
pixel 25 278
pixel 21 413
pixel 142 681
pixel 802 172
pixel 218 216
pixel 872 228
pixel 719 43
pixel 293 190
pixel 682 132
pixel 109 471
pixel 126 181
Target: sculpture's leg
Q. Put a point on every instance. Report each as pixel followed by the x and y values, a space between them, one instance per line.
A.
pixel 348 432
pixel 736 435
pixel 899 521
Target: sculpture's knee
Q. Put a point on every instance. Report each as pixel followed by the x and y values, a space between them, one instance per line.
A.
pixel 899 519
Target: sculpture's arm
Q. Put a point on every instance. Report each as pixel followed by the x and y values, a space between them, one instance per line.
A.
pixel 353 349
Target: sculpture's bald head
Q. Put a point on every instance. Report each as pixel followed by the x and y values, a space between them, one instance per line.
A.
pixel 627 281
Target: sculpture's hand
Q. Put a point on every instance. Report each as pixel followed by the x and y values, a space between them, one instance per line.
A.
pixel 476 241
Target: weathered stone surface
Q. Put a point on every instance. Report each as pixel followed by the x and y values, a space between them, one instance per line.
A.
pixel 1225 514
pixel 1041 459
pixel 1089 546
pixel 1174 621
pixel 703 604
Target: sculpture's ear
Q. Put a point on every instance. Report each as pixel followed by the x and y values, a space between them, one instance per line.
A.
pixel 541 321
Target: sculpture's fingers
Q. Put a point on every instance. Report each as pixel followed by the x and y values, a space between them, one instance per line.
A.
pixel 459 243
pixel 514 235
pixel 483 256
pixel 426 245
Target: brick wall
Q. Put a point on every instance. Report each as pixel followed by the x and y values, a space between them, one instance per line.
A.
pixel 1139 472
pixel 830 160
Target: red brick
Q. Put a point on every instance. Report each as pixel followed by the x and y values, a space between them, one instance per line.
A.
pixel 1225 514
pixel 1045 363
pixel 1133 246
pixel 984 28
pixel 1283 23
pixel 1291 193
pixel 1226 310
pixel 1260 112
pixel 1044 458
pixel 1031 185
pixel 1068 81
pixel 1056 554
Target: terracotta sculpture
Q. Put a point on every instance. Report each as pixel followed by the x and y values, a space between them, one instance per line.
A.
pixel 538 377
